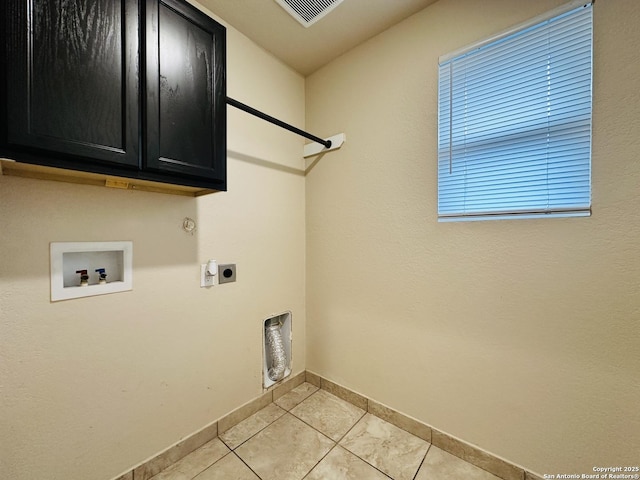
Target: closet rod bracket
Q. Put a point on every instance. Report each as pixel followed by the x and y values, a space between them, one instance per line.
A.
pixel 311 149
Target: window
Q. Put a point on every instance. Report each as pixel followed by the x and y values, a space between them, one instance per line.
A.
pixel 514 122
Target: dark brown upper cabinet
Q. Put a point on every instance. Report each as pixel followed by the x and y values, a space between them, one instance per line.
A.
pixel 126 88
pixel 185 104
pixel 73 79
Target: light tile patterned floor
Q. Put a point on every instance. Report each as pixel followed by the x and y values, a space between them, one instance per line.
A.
pixel 311 434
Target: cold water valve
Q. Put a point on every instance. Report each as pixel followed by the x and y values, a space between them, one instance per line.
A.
pixel 102 279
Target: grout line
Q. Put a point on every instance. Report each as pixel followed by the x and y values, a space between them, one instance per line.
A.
pixel 351 428
pixel 319 461
pixel 358 456
pixel 196 475
pixel 308 425
pixel 422 462
pixel 312 427
pixel 245 463
pixel 253 435
pixel 289 409
pixel 337 443
pixel 303 400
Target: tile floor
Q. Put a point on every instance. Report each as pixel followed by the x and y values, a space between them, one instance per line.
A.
pixel 311 434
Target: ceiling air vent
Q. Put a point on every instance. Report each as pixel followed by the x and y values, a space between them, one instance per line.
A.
pixel 308 12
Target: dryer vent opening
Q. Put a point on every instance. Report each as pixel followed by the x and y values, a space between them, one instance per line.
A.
pixel 277 348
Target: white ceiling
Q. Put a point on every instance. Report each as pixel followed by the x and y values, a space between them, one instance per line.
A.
pixel 307 49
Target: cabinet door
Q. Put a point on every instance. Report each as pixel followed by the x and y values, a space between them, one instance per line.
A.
pixel 72 81
pixel 185 92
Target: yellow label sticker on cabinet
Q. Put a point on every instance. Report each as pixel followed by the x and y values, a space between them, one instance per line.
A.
pixel 116 183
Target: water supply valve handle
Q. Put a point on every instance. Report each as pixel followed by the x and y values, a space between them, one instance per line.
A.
pixel 102 280
pixel 84 278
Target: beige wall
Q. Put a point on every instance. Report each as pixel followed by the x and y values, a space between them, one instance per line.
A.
pixel 91 387
pixel 519 336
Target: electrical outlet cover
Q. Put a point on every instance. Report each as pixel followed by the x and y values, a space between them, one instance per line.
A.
pixel 227 273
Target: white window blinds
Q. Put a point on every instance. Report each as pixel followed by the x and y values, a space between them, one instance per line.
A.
pixel 514 123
